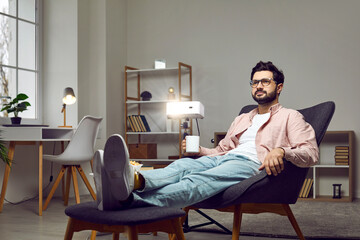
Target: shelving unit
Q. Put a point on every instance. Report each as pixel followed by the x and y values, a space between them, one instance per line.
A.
pixel 327 173
pixel 157 82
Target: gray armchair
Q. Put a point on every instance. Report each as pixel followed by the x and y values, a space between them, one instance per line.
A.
pixel 263 193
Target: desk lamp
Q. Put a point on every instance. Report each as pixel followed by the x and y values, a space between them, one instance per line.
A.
pixel 185 110
pixel 68 99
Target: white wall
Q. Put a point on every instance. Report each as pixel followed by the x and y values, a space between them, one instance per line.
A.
pixel 314 42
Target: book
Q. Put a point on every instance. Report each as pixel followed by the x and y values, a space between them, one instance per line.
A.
pixel 308 188
pixel 146 125
pixel 341 148
pixel 131 124
pixel 341 156
pixel 342 163
pixel 302 188
pixel 137 127
pixel 341 151
pixel 140 124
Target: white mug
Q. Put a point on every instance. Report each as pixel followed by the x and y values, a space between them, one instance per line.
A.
pixel 192 144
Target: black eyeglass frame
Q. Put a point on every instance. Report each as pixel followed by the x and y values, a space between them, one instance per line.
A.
pixel 255 83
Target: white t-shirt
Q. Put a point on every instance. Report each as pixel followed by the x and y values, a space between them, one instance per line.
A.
pixel 247 146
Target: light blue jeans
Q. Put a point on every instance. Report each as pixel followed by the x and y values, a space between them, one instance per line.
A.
pixel 187 181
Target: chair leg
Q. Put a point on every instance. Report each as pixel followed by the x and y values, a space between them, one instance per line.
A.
pixel 63 188
pixel 67 190
pixel 93 235
pixel 56 184
pixel 293 221
pixel 132 233
pixel 69 230
pixel 84 178
pixel 116 236
pixel 176 223
pixel 237 222
pixel 75 184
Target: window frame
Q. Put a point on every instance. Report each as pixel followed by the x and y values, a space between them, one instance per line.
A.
pixel 38 61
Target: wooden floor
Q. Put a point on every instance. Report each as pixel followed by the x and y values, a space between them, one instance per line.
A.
pixel 22 222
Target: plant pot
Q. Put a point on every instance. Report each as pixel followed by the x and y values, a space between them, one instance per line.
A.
pixel 15 120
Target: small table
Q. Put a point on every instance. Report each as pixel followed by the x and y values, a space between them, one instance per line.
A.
pixel 30 135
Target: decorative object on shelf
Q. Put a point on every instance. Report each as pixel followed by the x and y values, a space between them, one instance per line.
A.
pixel 146 96
pixel 68 99
pixel 160 63
pixel 336 190
pixel 171 94
pixel 143 151
pixel 18 104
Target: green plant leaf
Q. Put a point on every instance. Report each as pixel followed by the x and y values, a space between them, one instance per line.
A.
pixel 21 96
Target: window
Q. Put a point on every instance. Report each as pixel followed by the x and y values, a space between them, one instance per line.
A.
pixel 19 53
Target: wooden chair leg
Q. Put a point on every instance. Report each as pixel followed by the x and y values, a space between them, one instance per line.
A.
pixel 132 233
pixel 116 236
pixel 93 235
pixel 67 187
pixel 56 184
pixel 69 230
pixel 177 226
pixel 84 178
pixel 63 188
pixel 237 222
pixel 293 221
pixel 75 184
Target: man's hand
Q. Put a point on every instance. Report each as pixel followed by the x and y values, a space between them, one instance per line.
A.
pixel 274 162
pixel 183 146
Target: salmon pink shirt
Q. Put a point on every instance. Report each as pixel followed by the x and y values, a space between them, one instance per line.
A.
pixel 286 128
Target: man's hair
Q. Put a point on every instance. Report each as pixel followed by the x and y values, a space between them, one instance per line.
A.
pixel 269 66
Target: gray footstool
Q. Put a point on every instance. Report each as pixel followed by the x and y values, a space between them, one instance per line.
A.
pixel 86 216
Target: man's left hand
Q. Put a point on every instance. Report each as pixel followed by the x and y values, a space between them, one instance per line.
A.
pixel 274 163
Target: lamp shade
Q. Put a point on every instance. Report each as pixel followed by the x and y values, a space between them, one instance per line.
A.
pixel 186 109
pixel 69 96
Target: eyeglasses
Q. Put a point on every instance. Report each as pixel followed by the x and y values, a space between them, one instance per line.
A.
pixel 265 82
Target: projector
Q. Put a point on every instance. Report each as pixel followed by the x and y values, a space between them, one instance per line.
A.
pixel 186 109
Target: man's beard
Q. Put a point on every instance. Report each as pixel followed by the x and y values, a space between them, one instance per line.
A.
pixel 269 97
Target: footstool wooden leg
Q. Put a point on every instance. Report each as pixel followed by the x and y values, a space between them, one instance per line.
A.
pixel 132 233
pixel 69 230
pixel 93 235
pixel 116 236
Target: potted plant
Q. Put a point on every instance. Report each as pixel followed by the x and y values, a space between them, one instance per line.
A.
pixel 15 106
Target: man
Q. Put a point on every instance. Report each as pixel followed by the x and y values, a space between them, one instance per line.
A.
pixel 260 139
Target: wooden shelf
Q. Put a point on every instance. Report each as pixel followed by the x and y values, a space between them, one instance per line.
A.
pixel 326 199
pixel 138 80
pixel 148 102
pixel 333 139
pixel 152 133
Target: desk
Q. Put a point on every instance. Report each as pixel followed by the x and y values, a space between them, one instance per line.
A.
pixel 30 136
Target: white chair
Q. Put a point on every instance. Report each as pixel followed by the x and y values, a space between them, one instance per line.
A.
pixel 79 150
